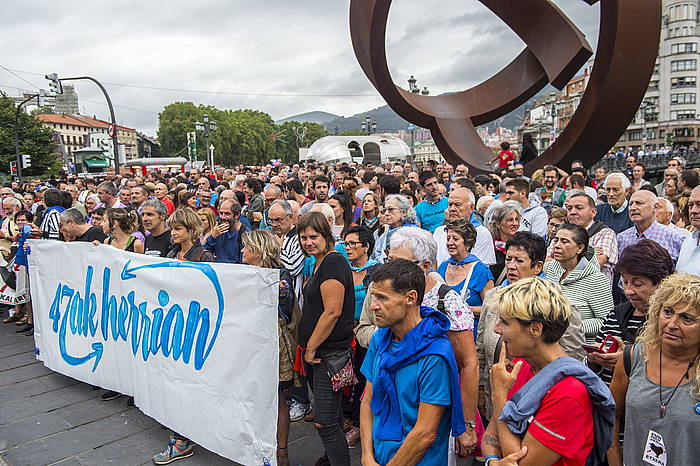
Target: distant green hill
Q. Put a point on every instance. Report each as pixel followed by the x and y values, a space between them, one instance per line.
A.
pixel 387 120
pixel 310 117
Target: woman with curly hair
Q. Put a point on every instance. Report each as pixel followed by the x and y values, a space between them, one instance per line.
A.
pixel 656 384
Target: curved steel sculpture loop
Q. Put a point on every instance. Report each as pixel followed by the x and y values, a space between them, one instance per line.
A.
pixel 556 50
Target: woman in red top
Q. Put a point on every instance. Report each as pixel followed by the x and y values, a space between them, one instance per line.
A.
pixel 533 315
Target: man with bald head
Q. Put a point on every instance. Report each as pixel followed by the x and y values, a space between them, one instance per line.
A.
pixel 282 222
pixel 642 212
pixel 270 194
pixel 461 204
pixel 161 192
pixel 664 215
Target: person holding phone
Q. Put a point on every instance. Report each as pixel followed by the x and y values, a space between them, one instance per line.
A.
pixel 642 267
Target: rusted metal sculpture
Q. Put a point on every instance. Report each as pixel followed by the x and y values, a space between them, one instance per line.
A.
pixel 627 47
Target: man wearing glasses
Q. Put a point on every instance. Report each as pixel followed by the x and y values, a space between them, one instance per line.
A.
pixel 669 174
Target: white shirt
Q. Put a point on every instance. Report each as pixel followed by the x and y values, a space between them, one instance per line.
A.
pixel 689 256
pixel 483 248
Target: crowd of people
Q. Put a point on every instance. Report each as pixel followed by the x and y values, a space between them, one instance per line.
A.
pixel 428 314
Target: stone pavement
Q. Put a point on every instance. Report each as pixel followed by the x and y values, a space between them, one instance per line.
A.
pixel 48 418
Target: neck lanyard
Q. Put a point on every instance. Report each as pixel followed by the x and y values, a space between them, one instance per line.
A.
pixel 662 405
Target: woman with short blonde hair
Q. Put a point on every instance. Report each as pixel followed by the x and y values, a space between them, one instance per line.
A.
pixel 550 403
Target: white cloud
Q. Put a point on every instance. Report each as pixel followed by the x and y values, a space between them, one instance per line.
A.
pixel 273 46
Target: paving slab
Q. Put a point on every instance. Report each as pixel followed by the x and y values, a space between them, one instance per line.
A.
pixel 27 430
pixel 72 442
pixel 12 376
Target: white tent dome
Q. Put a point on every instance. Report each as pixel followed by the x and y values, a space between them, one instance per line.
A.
pixel 365 149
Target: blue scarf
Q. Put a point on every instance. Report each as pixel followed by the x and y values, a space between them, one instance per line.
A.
pixel 474 220
pixel 21 254
pixel 429 337
pixel 369 264
pixel 526 401
pixel 470 258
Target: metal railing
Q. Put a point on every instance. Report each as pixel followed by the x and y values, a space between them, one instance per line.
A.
pixel 654 162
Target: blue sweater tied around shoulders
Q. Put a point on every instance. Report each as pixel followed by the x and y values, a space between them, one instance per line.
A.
pixel 526 401
pixel 429 337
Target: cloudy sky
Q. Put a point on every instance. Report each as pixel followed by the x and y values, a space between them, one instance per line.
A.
pixel 279 56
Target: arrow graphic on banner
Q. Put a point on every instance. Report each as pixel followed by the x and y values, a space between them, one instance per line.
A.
pixel 98 349
pixel 206 269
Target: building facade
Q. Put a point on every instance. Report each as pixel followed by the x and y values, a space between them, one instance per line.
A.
pixel 67 102
pixel 669 116
pixel 78 132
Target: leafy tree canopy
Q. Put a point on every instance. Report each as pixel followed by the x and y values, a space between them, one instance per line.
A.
pixel 243 136
pixel 34 139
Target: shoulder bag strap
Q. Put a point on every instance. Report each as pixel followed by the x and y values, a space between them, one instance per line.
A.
pixel 467 280
pixel 627 359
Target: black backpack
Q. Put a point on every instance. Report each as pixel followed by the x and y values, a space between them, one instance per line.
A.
pixel 442 292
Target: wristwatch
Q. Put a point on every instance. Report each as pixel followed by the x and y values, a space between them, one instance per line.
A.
pixel 470 424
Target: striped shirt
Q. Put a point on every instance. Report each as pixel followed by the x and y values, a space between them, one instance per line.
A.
pixel 291 254
pixel 588 289
pixel 666 237
pixel 50 224
pixel 611 326
pixel 605 241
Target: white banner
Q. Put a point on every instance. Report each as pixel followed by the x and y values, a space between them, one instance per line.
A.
pixel 195 344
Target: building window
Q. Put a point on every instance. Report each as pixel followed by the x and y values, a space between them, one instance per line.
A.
pixel 653 86
pixel 686 47
pixel 682 114
pixel 682 99
pixel 683 132
pixel 635 136
pixel 683 65
pixel 683 81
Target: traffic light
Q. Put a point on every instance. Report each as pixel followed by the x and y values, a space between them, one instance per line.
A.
pixel 54 83
pixel 13 168
pixel 26 160
pixel 41 98
pixel 105 146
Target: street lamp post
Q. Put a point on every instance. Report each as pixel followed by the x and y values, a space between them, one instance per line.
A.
pixel 18 157
pixel 369 125
pixel 414 89
pixel 55 84
pixel 206 127
pixel 644 108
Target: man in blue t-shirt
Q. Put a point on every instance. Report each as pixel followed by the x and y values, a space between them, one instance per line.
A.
pixel 412 399
pixel 431 212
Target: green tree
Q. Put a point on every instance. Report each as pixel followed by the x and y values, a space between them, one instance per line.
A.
pixel 175 121
pixel 34 139
pixel 243 136
pixel 286 140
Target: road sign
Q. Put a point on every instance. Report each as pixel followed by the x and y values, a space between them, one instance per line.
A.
pixel 110 130
pixel 411 127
